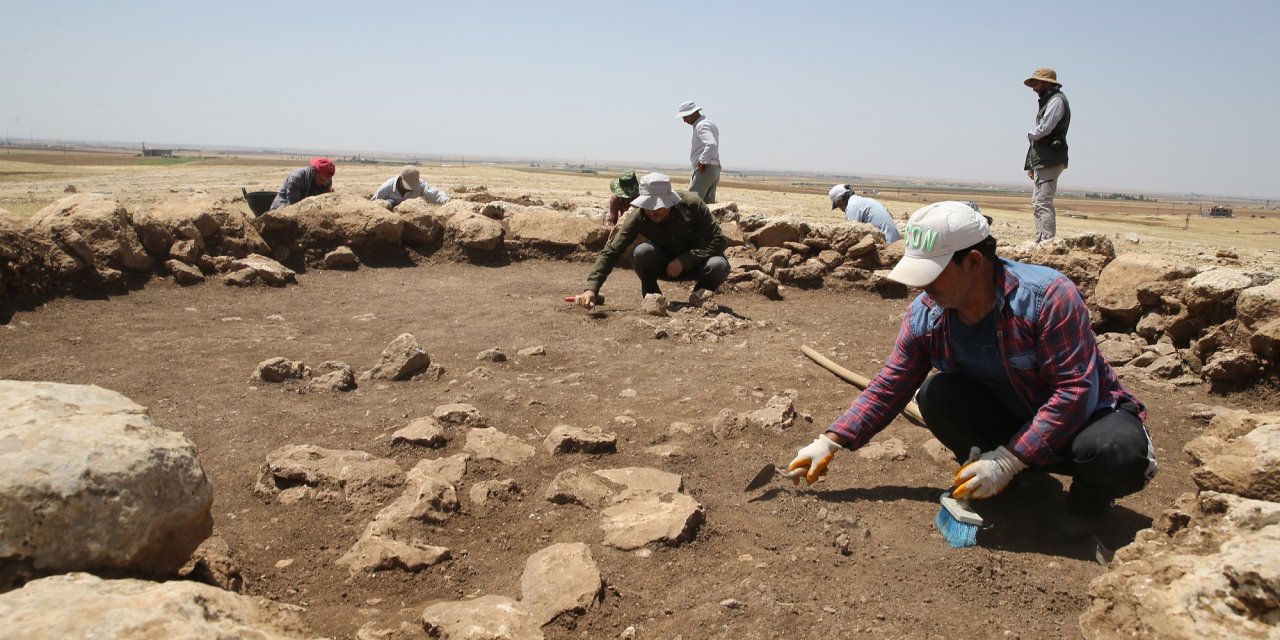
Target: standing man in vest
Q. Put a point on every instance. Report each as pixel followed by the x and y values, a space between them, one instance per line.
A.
pixel 705 155
pixel 1047 155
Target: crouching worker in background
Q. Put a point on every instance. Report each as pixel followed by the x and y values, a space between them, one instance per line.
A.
pixel 408 185
pixel 312 180
pixel 1020 377
pixel 682 242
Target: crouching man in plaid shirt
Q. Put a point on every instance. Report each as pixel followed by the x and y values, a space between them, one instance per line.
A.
pixel 1020 377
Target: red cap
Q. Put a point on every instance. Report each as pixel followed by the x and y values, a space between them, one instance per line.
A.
pixel 324 166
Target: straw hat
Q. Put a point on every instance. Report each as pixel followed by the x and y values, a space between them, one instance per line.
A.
pixel 1044 74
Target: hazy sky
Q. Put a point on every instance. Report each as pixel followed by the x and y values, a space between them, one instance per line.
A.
pixel 1165 96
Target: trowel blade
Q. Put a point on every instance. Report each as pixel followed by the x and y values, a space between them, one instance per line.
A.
pixel 762 477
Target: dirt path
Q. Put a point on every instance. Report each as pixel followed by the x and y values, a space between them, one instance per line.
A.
pixel 187 355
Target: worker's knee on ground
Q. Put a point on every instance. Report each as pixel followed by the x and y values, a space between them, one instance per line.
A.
pixel 645 258
pixel 717 271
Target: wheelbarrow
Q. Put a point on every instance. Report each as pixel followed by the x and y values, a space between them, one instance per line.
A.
pixel 259 201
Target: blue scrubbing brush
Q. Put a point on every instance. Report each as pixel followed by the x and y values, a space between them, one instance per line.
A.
pixel 957 522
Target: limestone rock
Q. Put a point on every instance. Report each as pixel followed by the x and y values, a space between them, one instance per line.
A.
pixel 889 449
pixel 566 439
pixel 423 432
pixel 79 605
pixel 340 377
pixel 550 229
pixel 654 304
pixel 256 268
pixel 295 471
pixel 1213 288
pixel 1218 577
pixel 484 618
pixel 1256 306
pixel 89 482
pixel 778 414
pixel 1126 278
pixel 341 258
pixel 560 579
pixel 482 492
pixel 94 230
pixel 279 370
pixel 401 359
pixel 491 444
pixel 474 231
pixel 774 234
pixel 459 415
pixel 575 486
pixel 452 468
pixel 642 518
pixel 183 274
pixel 1248 467
pixel 643 479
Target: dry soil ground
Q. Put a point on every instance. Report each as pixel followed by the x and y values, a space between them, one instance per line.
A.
pixel 187 353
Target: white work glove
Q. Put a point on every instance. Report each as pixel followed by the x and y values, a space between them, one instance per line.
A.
pixel 811 461
pixel 987 476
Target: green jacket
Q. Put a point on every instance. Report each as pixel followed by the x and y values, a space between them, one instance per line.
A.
pixel 690 233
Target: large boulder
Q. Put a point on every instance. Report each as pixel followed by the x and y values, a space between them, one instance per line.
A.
pixel 1080 257
pixel 1216 577
pixel 331 220
pixel 79 605
pixel 474 232
pixel 29 262
pixel 774 233
pixel 1134 281
pixel 216 227
pixel 1248 466
pixel 1214 289
pixel 95 231
pixel 1256 306
pixel 545 228
pixel 424 222
pixel 88 482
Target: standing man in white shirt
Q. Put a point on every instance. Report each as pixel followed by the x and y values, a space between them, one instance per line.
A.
pixel 407 185
pixel 1047 154
pixel 705 155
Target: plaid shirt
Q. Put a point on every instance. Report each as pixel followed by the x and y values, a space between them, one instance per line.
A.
pixel 1048 348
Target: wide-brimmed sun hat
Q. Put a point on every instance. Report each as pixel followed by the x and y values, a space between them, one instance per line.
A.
pixel 1043 74
pixel 933 234
pixel 838 193
pixel 626 185
pixel 687 108
pixel 410 176
pixel 656 193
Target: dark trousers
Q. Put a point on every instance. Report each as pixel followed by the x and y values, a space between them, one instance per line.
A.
pixel 1109 458
pixel 651 262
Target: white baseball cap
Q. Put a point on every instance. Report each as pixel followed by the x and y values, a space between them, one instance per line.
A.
pixel 656 193
pixel 686 108
pixel 933 234
pixel 837 192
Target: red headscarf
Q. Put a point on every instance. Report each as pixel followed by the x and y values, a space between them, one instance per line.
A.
pixel 323 166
